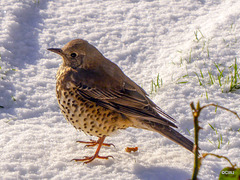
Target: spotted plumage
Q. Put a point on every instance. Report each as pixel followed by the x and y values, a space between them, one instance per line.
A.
pixel 87 116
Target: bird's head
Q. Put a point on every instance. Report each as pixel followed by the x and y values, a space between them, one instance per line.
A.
pixel 79 53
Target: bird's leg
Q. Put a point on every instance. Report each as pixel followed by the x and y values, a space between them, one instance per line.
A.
pixel 88 159
pixel 94 143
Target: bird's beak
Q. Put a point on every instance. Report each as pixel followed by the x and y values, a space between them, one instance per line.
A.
pixel 56 50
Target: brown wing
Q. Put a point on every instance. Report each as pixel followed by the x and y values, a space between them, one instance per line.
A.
pixel 118 93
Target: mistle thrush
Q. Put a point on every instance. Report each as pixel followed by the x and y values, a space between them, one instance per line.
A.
pixel 95 96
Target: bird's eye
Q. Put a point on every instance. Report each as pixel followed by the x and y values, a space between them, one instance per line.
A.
pixel 73 55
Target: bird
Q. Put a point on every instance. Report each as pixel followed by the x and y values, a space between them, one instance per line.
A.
pixel 96 97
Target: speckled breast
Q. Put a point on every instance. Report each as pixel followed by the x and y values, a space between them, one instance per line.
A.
pixel 88 116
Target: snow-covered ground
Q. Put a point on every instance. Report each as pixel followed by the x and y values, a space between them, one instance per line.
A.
pixel 175 39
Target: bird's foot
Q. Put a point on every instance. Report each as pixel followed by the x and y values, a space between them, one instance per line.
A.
pixel 88 159
pixel 92 143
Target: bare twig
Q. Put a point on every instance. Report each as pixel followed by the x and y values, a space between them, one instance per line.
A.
pixel 196 112
pixel 204 155
pixel 215 105
pixel 198 161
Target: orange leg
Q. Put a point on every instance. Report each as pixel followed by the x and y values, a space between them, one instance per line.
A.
pixel 88 159
pixel 94 143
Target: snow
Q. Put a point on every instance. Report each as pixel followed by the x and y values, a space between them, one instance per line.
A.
pixel 144 37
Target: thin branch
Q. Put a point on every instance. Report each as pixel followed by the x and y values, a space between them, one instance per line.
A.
pixel 196 113
pixel 198 161
pixel 215 105
pixel 204 155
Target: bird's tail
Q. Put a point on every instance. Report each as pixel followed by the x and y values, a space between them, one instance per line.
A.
pixel 169 133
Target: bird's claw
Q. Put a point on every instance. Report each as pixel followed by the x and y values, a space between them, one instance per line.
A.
pixel 88 159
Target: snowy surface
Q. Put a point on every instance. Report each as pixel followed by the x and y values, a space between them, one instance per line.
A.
pixel 145 38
